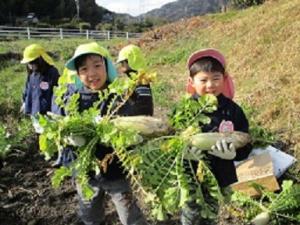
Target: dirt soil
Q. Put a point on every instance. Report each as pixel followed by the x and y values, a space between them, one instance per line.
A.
pixel 26 195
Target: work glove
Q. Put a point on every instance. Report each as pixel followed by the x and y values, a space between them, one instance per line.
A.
pixel 223 150
pixel 193 153
pixel 75 140
pixel 36 125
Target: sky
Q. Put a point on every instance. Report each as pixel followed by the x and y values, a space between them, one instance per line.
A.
pixel 132 7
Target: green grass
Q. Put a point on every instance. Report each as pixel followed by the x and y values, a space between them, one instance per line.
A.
pixel 65 47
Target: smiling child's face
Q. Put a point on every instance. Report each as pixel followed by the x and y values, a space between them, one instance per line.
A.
pixel 208 83
pixel 92 72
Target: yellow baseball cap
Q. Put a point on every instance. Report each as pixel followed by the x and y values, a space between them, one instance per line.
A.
pixel 35 51
pixel 90 48
pixel 133 54
pixel 93 48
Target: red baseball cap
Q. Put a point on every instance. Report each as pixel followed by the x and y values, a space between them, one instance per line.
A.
pixel 209 52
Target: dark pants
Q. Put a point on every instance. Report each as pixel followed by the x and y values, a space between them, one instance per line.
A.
pixel 92 211
pixel 191 215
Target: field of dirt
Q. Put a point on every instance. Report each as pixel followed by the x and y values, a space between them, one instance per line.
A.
pixel 26 195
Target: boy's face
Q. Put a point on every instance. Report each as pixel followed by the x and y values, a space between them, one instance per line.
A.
pixel 92 73
pixel 123 67
pixel 208 83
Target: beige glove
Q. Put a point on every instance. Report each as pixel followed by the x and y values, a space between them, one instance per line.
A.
pixel 223 150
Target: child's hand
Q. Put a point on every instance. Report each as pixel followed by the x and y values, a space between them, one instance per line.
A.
pixel 223 150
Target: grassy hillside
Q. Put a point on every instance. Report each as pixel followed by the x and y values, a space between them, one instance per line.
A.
pixel 262 46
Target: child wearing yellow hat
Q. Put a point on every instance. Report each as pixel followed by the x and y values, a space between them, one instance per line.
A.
pixel 42 77
pixel 131 61
pixel 93 66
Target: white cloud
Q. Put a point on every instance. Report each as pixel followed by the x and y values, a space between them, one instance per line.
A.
pixel 133 7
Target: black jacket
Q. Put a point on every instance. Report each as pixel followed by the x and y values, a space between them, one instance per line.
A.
pixel 224 170
pixel 140 103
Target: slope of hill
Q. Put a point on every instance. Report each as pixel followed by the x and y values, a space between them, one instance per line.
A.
pixel 184 9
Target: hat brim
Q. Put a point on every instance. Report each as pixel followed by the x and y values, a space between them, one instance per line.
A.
pixel 119 60
pixel 70 64
pixel 25 61
pixel 111 71
pixel 206 53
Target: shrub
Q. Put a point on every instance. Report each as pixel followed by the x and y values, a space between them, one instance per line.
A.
pixel 104 26
pixel 43 25
pixel 84 26
pixel 71 25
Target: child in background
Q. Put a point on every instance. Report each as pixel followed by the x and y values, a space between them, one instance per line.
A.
pixel 208 75
pixel 42 77
pixel 131 61
pixel 96 71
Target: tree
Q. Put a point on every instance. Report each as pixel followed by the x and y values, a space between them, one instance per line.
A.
pixel 246 3
pixel 59 10
pixel 77 9
pixel 119 24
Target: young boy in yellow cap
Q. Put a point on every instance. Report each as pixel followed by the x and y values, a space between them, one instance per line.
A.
pixel 131 61
pixel 42 77
pixel 96 71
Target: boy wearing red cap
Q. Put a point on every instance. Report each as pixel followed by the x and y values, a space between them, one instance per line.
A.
pixel 207 75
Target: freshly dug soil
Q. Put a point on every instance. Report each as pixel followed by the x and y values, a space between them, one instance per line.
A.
pixel 27 197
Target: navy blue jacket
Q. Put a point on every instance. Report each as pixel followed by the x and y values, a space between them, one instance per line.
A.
pixel 224 170
pixel 140 103
pixel 38 92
